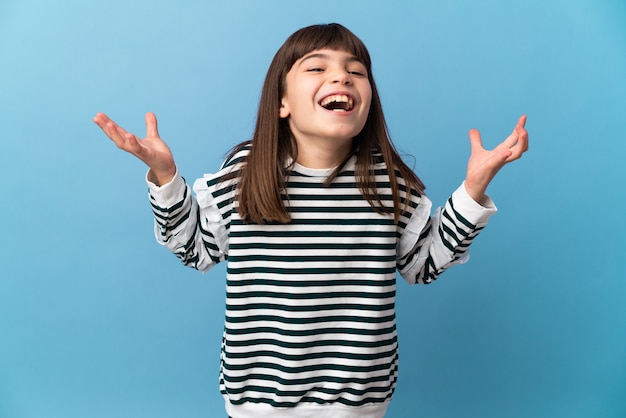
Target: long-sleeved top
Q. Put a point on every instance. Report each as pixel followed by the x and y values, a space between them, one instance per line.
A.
pixel 310 327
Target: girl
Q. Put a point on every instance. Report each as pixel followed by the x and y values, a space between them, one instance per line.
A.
pixel 315 214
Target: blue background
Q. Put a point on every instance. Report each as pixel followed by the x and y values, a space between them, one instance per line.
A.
pixel 97 320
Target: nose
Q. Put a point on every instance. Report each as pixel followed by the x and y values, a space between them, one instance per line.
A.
pixel 341 76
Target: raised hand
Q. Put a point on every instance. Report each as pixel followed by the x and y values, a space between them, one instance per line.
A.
pixel 484 164
pixel 152 150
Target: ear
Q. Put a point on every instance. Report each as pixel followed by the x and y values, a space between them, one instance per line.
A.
pixel 284 109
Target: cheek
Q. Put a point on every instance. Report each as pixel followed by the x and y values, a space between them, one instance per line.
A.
pixel 366 94
pixel 367 101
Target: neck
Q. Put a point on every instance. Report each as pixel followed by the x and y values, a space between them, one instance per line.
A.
pixel 322 153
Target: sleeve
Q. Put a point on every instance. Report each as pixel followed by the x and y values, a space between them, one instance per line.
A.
pixel 430 244
pixel 195 233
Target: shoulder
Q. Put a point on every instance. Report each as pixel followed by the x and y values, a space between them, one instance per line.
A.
pixel 383 168
pixel 231 166
pixel 237 155
pixel 224 181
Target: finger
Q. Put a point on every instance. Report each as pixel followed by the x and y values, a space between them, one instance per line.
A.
pixel 520 147
pixel 101 120
pixel 522 136
pixel 522 141
pixel 511 140
pixel 117 133
pixel 151 125
pixel 123 139
pixel 110 128
pixel 132 144
pixel 520 128
pixel 518 135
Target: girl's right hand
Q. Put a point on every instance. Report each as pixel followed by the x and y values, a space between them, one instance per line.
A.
pixel 152 150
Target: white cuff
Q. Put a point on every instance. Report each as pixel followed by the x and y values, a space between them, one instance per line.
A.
pixel 476 213
pixel 169 193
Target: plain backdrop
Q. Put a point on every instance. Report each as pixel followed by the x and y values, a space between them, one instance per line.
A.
pixel 99 321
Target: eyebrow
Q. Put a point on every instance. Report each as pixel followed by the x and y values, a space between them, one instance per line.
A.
pixel 351 58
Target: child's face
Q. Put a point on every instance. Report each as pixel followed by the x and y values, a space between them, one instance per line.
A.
pixel 327 96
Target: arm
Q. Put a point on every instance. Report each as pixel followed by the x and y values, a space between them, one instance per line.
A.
pixel 194 232
pixel 429 245
pixel 176 211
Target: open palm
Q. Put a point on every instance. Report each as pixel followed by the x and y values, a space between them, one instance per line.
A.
pixel 152 150
pixel 484 164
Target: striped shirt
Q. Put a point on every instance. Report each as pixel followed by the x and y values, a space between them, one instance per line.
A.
pixel 310 323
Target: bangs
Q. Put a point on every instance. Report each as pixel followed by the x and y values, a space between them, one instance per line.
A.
pixel 326 36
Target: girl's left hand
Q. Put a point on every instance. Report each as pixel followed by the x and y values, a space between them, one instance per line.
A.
pixel 483 164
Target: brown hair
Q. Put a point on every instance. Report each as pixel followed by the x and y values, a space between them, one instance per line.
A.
pixel 262 178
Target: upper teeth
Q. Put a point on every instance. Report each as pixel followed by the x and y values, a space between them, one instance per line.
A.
pixel 338 98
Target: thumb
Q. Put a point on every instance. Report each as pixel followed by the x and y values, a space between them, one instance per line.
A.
pixel 151 125
pixel 475 141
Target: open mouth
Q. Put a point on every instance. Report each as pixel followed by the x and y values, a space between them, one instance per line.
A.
pixel 338 103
